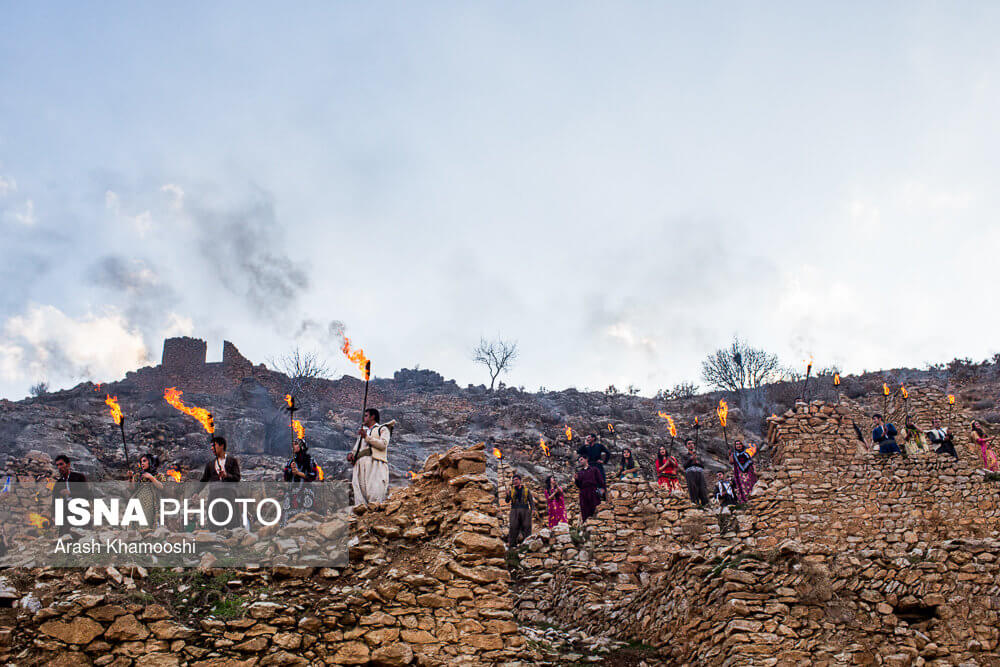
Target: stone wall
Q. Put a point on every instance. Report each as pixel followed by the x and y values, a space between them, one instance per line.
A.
pixel 841 557
pixel 184 355
pixel 426 584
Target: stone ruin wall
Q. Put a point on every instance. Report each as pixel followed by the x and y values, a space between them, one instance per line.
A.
pixel 426 584
pixel 840 558
pixel 184 364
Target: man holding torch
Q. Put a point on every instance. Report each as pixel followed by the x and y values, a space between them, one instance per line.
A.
pixel 370 479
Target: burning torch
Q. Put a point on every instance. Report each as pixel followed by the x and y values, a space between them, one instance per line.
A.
pixel 805 389
pixel 291 407
pixel 836 386
pixel 116 414
pixel 885 400
pixel 172 395
pixel 951 405
pixel 906 404
pixel 697 430
pixel 673 427
pixel 723 412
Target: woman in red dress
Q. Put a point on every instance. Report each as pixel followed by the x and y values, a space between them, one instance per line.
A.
pixel 666 470
pixel 555 501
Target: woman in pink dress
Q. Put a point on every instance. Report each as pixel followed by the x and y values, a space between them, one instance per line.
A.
pixel 555 502
pixel 990 460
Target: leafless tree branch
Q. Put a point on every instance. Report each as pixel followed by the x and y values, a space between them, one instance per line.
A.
pixel 496 355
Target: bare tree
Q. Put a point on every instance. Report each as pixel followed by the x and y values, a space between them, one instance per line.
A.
pixel 300 367
pixel 39 388
pixel 496 355
pixel 740 367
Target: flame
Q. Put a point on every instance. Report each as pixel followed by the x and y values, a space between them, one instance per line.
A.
pixel 836 379
pixel 98 387
pixel 37 520
pixel 545 448
pixel 358 357
pixel 411 474
pixel 774 416
pixel 289 401
pixel 906 394
pixel 174 475
pixel 50 485
pixel 497 453
pixel 951 399
pixel 885 389
pixel 722 411
pixel 696 422
pixel 809 367
pixel 116 412
pixel 569 433
pixel 172 395
pixel 670 422
pixel 300 432
pixel 611 428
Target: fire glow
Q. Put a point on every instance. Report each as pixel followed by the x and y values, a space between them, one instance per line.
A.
pixel 836 379
pixel 723 412
pixel 37 520
pixel 358 357
pixel 569 433
pixel 611 428
pixel 670 423
pixel 172 395
pixel 951 399
pixel 300 432
pixel 174 475
pixel 497 453
pixel 289 401
pixel 545 448
pixel 885 389
pixel 905 393
pixel 116 411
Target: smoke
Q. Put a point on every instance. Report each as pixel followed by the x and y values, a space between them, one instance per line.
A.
pixel 244 249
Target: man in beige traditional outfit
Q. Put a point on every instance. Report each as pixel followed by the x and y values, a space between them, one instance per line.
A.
pixel 369 457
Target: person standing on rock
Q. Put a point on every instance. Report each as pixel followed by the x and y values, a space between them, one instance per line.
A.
pixel 589 480
pixel 724 491
pixel 370 458
pixel 884 435
pixel 68 484
pixel 694 474
pixel 597 455
pixel 555 501
pixel 222 468
pixel 667 468
pixel 990 461
pixel 939 435
pixel 744 475
pixel 522 504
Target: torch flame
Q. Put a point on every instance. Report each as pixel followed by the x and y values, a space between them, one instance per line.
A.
pixel 696 422
pixel 98 387
pixel 611 428
pixel 951 399
pixel 497 453
pixel 836 379
pixel 174 475
pixel 569 433
pixel 545 448
pixel 116 411
pixel 809 367
pixel 172 395
pixel 906 394
pixel 412 474
pixel 722 411
pixel 289 401
pixel 300 432
pixel 37 520
pixel 885 389
pixel 358 357
pixel 670 422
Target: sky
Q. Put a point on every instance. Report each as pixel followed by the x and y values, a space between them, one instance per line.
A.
pixel 619 187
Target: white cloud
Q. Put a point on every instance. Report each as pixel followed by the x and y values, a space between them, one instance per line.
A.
pixel 46 344
pixel 176 194
pixel 142 223
pixel 625 333
pixel 7 186
pixel 23 215
pixel 178 325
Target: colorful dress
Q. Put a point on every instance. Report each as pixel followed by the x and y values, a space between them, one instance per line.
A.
pixel 744 476
pixel 556 504
pixel 666 471
pixel 914 443
pixel 990 461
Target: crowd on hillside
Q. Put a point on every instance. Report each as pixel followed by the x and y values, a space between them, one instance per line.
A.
pixel 733 487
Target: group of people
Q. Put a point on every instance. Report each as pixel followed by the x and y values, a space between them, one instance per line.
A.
pixel 591 480
pixel 917 441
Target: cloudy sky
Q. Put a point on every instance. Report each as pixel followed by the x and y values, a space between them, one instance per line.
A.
pixel 618 187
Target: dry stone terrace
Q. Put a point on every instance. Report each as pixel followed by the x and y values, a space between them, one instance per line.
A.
pixel 839 558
